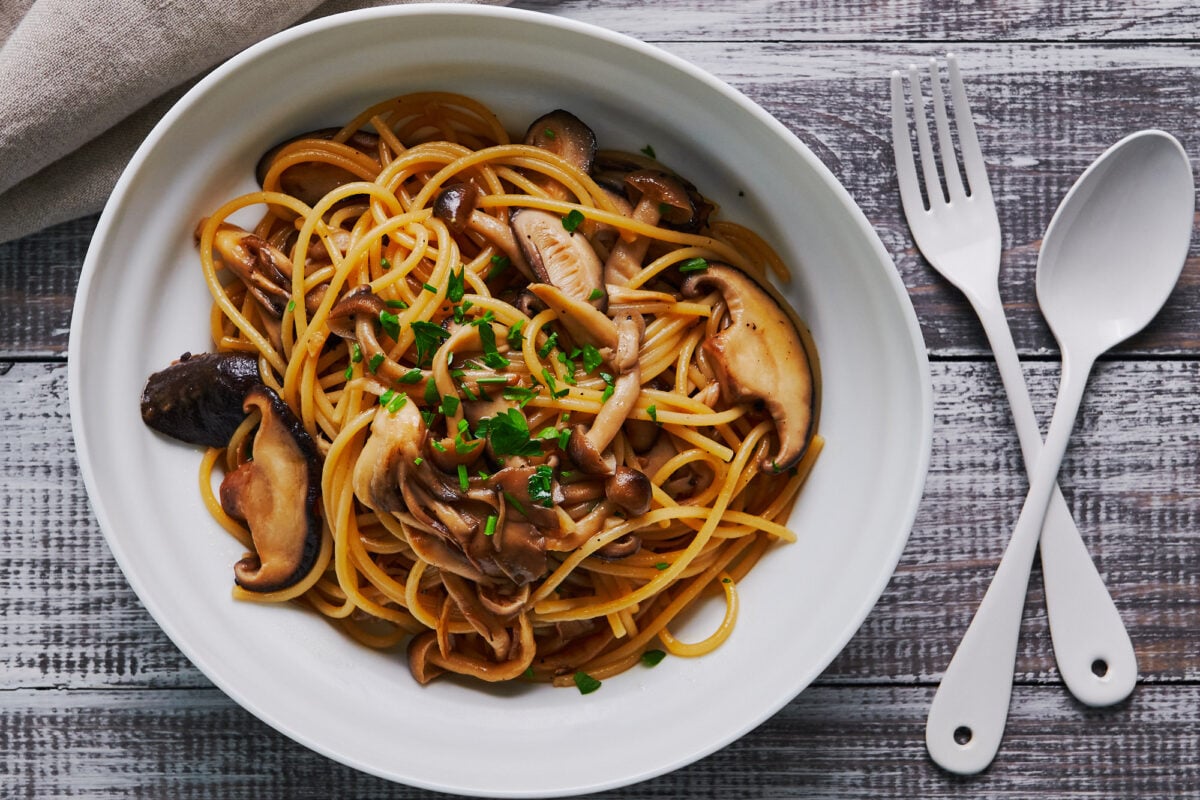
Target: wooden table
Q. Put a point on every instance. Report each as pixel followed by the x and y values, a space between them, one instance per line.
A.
pixel 96 701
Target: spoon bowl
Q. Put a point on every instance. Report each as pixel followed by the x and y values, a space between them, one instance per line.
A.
pixel 1111 255
pixel 1116 245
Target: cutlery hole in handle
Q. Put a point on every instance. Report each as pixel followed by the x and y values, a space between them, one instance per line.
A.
pixel 963 735
pixel 1100 668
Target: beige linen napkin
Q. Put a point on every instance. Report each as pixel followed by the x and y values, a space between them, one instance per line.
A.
pixel 83 81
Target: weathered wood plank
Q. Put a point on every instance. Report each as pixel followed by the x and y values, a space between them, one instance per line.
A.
pixel 1044 112
pixel 886 20
pixel 1132 477
pixel 830 743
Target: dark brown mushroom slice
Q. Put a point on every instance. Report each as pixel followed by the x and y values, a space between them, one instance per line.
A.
pixel 311 180
pixel 198 399
pixel 455 205
pixel 585 455
pixel 514 483
pixel 277 494
pixel 565 135
pixel 660 196
pixel 612 167
pixel 622 547
pixel 760 357
pixel 564 259
pixel 630 489
pixel 359 301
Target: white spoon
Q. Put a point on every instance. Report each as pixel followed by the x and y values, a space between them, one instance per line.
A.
pixel 1111 256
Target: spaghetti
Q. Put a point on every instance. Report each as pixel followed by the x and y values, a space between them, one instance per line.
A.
pixel 549 411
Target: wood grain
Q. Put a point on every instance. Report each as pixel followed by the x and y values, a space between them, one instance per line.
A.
pixel 887 20
pixel 96 701
pixel 1131 477
pixel 1035 110
pixel 831 743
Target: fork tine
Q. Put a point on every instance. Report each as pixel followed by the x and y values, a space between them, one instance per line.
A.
pixel 972 154
pixel 945 144
pixel 906 167
pixel 933 184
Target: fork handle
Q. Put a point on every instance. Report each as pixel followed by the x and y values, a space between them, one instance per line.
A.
pixel 1091 645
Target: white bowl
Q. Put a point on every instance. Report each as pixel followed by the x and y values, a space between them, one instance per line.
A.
pixel 142 302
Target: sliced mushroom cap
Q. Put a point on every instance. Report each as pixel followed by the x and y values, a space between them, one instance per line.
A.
pixel 311 180
pixel 565 135
pixel 359 301
pixel 198 399
pixel 277 494
pixel 455 204
pixel 266 271
pixel 760 357
pixel 663 192
pixel 560 257
pixel 630 489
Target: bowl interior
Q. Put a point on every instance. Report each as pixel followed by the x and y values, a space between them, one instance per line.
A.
pixel 142 302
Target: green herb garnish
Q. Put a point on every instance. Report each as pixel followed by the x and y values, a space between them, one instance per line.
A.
pixel 652 410
pixel 428 337
pixel 586 683
pixel 541 486
pixel 651 658
pixel 449 405
pixel 412 376
pixel 456 288
pixel 573 220
pixel 509 434
pixel 464 480
pixel 499 264
pixel 374 363
pixel 489 527
pixel 595 294
pixel 693 265
pixel 390 323
pixel 648 150
pixel 591 358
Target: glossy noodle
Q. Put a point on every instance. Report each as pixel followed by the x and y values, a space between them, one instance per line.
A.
pixel 514 406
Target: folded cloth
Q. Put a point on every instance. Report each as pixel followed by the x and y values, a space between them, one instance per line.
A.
pixel 83 81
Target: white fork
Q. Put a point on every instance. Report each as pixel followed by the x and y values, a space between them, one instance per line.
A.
pixel 960 237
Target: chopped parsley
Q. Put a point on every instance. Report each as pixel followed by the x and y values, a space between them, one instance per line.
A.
pixel 428 338
pixel 412 376
pixel 291 306
pixel 400 304
pixel 499 264
pixel 661 565
pixel 586 683
pixel 355 353
pixel 520 394
pixel 555 392
pixel 375 361
pixel 429 287
pixel 464 481
pixel 541 486
pixel 572 220
pixel 652 410
pixel 651 658
pixel 349 372
pixel 608 387
pixel 550 343
pixel 515 338
pixel 648 150
pixel 596 294
pixel 549 133
pixel 456 287
pixel 487 338
pixel 390 323
pixel 509 434
pixel 489 527
pixel 591 358
pixel 383 262
pixel 693 265
pixel 432 398
pixel 449 405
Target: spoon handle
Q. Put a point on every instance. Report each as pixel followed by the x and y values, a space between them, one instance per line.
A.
pixel 969 710
pixel 1091 645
